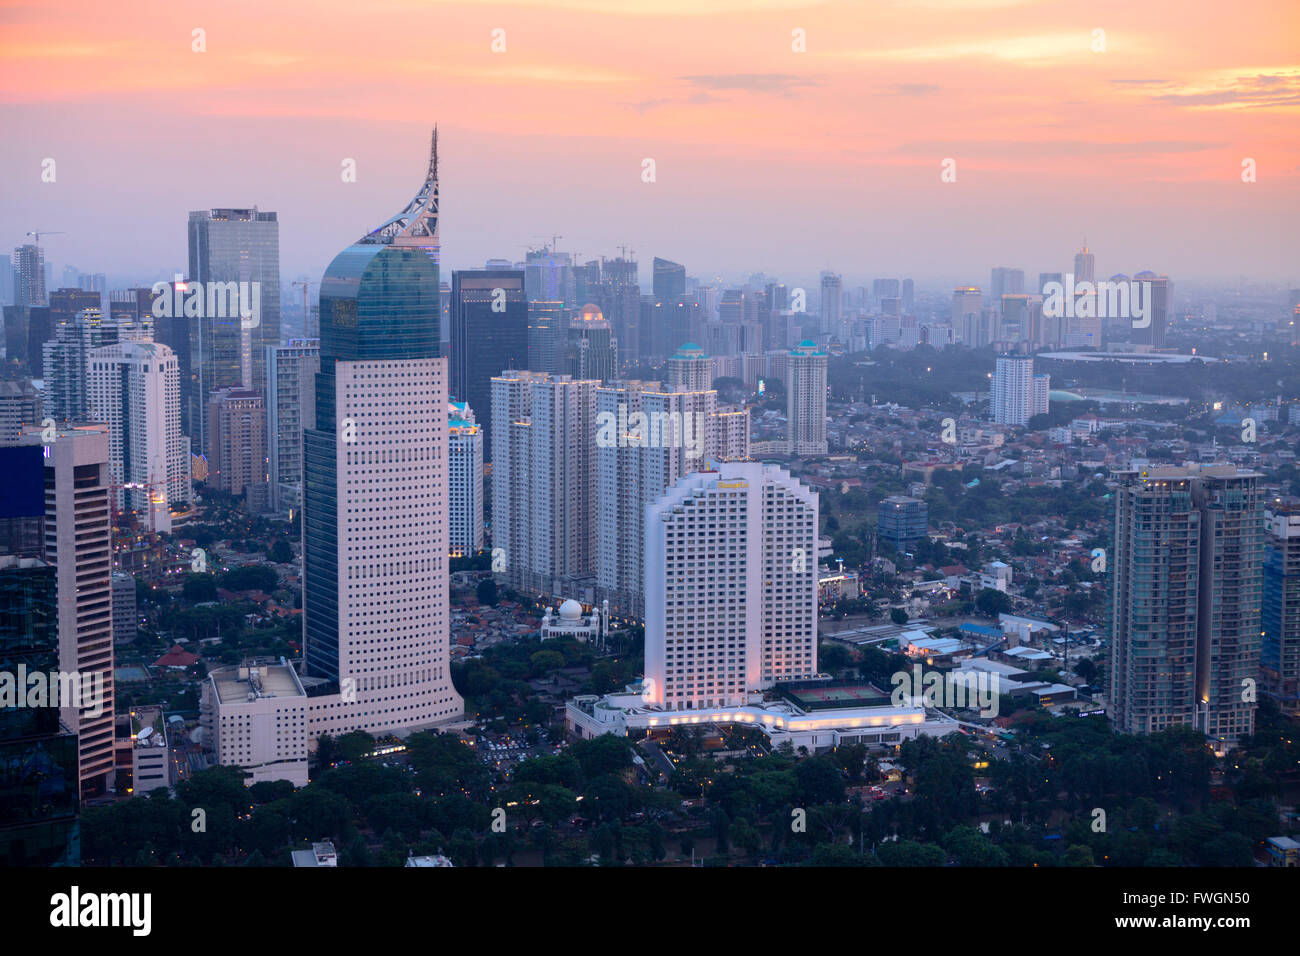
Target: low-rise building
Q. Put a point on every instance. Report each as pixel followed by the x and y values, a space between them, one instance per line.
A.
pixel 151 762
pixel 589 716
pixel 255 717
pixel 569 621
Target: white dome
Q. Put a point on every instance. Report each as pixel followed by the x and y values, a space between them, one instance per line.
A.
pixel 570 610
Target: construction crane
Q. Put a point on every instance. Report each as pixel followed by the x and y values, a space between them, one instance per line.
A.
pixel 555 242
pixel 37 233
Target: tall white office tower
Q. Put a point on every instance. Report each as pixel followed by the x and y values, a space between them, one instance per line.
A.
pixel 543 439
pixel 290 407
pixel 690 370
pixel 658 435
pixel 832 304
pixel 805 391
pixel 731 586
pixel 78 542
pixel 1016 393
pixel 465 480
pixel 376 624
pixel 135 387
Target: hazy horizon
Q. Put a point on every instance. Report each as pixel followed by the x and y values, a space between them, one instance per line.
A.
pixel 767 160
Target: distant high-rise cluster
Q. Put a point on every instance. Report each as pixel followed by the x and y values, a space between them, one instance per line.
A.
pixel 67 360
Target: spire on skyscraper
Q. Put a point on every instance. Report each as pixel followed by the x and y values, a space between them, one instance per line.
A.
pixel 417 224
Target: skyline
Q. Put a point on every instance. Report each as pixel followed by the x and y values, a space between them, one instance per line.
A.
pixel 1053 143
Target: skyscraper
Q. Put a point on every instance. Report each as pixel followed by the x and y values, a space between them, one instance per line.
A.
pixel 237 436
pixel 548 332
pixel 226 351
pixel 967 303
pixel 134 387
pixel 832 304
pixel 592 350
pixel 29 275
pixel 67 357
pixel 375 617
pixel 543 517
pixel 489 332
pixel 1013 322
pixel 548 277
pixel 1291 320
pixel 78 543
pixel 690 370
pixel 20 404
pixel 1084 265
pixel 1086 326
pixel 669 279
pixel 1016 393
pixel 805 391
pixel 660 434
pixel 1186 558
pixel 1159 304
pixel 290 407
pixel 731 586
pixel 66 304
pixel 620 303
pixel 38 755
pixel 1005 282
pixel 464 480
pixel 1280 655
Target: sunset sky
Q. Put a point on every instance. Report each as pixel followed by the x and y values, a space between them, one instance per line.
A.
pixel 766 159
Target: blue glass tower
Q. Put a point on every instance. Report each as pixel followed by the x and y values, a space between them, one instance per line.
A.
pixel 379 302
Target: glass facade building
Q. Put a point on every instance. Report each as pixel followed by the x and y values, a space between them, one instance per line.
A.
pixel 377 303
pixel 38 757
pixel 230 245
pixel 484 342
pixel 902 521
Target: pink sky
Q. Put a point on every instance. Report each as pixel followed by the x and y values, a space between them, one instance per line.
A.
pixel 766 159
